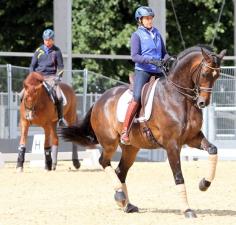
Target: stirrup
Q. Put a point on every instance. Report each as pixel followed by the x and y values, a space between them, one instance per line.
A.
pixel 62 122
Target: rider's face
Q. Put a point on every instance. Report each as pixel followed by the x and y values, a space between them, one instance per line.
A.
pixel 48 42
pixel 147 21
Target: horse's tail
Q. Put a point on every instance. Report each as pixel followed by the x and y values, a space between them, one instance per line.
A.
pixel 82 133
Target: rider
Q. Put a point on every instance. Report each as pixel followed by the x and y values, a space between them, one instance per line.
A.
pixel 48 61
pixel 147 51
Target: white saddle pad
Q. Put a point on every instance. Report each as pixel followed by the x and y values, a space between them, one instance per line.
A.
pixel 124 101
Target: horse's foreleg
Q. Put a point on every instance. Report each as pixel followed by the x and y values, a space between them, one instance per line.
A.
pixel 202 143
pixel 21 147
pixel 127 159
pixel 173 152
pixel 47 149
pixel 55 143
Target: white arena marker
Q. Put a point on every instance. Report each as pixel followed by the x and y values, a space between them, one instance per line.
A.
pixel 38 148
pixel 1 160
pixel 91 161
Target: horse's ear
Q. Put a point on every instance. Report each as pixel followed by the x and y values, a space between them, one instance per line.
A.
pixel 222 54
pixel 205 55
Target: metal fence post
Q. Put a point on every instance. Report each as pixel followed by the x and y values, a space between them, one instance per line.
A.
pixel 211 124
pixel 9 99
pixel 205 122
pixel 85 91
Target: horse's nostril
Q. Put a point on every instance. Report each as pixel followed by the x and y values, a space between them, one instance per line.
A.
pixel 201 105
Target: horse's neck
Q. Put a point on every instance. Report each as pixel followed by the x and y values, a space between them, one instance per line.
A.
pixel 183 72
pixel 42 98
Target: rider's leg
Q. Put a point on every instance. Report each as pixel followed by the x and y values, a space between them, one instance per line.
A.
pixel 140 79
pixel 21 94
pixel 59 105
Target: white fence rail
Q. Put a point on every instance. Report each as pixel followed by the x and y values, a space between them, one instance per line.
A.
pixel 219 118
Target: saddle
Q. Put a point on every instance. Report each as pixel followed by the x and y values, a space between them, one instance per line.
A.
pixel 146 102
pixel 52 94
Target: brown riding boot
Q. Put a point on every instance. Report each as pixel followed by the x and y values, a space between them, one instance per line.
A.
pixel 131 111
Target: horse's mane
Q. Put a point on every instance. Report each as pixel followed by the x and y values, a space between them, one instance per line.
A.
pixel 196 48
pixel 32 80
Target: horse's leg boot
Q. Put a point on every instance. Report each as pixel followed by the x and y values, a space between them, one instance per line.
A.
pixel 131 111
pixel 61 120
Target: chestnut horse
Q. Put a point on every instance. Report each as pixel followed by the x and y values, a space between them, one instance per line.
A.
pixel 176 120
pixel 37 108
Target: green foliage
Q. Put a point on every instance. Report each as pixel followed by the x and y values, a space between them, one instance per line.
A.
pixel 105 27
pixel 22 24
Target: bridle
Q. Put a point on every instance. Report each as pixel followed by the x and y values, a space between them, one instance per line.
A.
pixel 197 88
pixel 30 110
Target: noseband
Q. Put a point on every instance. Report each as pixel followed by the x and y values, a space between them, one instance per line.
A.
pixel 30 110
pixel 197 88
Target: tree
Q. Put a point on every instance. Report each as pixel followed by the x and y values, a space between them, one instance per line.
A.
pixel 22 24
pixel 105 27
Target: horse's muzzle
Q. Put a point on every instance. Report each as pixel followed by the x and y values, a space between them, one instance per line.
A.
pixel 29 115
pixel 201 103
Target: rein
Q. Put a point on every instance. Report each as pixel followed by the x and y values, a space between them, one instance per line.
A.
pixel 197 89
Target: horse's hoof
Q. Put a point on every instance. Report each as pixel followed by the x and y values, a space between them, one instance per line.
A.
pixel 131 208
pixel 120 198
pixel 54 166
pixel 76 163
pixel 19 169
pixel 189 213
pixel 204 184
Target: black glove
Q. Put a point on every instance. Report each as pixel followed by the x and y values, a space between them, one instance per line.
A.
pixel 156 62
pixel 168 62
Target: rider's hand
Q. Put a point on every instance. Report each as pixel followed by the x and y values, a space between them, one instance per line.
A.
pixel 57 79
pixel 60 73
pixel 156 62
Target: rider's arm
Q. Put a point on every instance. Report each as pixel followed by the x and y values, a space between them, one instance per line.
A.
pixel 34 62
pixel 136 51
pixel 60 65
pixel 163 49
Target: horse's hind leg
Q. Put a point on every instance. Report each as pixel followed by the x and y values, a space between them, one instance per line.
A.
pixel 127 159
pixel 71 119
pixel 173 152
pixel 202 143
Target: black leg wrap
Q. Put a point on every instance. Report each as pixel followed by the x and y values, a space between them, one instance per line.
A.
pixel 21 156
pixel 48 159
pixel 204 184
pixel 212 150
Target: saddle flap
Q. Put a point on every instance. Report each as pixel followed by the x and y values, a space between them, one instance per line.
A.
pixel 127 96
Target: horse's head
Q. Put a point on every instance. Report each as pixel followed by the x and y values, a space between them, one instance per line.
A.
pixel 206 74
pixel 32 85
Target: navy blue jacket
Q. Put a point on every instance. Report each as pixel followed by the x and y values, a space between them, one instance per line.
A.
pixel 146 45
pixel 47 61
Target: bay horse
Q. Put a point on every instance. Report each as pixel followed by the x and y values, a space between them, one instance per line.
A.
pixel 176 120
pixel 37 108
